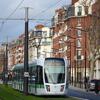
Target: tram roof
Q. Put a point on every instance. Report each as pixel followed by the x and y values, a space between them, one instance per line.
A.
pixel 19 66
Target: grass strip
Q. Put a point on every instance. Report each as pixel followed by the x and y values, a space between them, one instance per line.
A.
pixel 7 93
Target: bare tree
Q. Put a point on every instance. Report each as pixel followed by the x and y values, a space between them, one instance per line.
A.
pixel 93 32
pixel 86 4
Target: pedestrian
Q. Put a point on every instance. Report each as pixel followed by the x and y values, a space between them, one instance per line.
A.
pixel 86 79
pixel 96 87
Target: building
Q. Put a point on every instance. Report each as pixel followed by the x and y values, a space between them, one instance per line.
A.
pixel 2 58
pixel 16 52
pixel 20 49
pixel 11 54
pixel 70 38
pixel 40 42
pixel 40 45
pixel 96 19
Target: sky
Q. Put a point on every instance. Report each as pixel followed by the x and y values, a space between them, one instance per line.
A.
pixel 39 9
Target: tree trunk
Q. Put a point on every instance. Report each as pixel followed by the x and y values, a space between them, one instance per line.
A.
pixel 92 66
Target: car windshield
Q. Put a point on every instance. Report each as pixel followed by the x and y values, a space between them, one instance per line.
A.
pixel 93 81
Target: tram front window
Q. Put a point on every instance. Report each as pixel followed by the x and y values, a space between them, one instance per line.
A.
pixel 54 74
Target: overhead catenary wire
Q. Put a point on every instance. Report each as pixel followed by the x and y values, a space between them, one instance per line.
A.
pixel 50 7
pixel 45 10
pixel 15 9
pixel 4 20
pixel 8 18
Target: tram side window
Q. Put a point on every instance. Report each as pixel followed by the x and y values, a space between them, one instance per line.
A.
pixel 18 75
pixel 32 72
pixel 39 75
pixel 14 77
pixel 21 74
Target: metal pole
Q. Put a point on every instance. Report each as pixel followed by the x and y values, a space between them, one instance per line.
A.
pixel 6 64
pixel 70 65
pixel 37 52
pixel 85 62
pixel 26 73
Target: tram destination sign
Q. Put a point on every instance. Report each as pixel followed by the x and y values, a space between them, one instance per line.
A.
pixel 54 63
pixel 26 74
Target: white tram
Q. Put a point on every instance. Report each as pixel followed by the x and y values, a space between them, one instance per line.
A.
pixel 47 76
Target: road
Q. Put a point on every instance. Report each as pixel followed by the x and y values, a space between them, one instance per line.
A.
pixel 83 94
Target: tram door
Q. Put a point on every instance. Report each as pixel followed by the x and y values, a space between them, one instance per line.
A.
pixel 32 80
pixel 39 78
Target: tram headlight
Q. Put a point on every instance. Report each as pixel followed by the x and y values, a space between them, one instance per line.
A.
pixel 62 88
pixel 48 88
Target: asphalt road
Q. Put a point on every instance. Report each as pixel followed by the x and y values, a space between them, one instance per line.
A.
pixel 83 94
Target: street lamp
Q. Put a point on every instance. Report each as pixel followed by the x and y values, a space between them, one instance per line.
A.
pixel 37 43
pixel 37 37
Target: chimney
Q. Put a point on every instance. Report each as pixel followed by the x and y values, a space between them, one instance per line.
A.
pixel 74 1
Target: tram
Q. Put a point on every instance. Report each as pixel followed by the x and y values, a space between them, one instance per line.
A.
pixel 47 76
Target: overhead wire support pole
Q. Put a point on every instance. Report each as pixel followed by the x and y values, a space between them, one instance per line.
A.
pixel 26 73
pixel 6 64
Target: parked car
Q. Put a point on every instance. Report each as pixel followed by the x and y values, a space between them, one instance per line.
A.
pixel 94 85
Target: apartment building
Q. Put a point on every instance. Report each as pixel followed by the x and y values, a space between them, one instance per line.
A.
pixel 2 58
pixel 70 38
pixel 20 49
pixel 96 19
pixel 40 45
pixel 40 42
pixel 11 54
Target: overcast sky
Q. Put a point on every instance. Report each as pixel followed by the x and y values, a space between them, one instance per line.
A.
pixel 40 9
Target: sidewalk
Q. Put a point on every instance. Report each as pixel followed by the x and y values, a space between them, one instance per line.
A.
pixel 80 89
pixel 77 88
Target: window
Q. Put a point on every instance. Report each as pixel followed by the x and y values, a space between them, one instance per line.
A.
pixel 44 33
pixel 37 33
pixel 78 54
pixel 79 21
pixel 79 33
pixel 79 13
pixel 78 43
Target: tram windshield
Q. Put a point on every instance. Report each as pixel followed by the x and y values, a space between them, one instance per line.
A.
pixel 54 71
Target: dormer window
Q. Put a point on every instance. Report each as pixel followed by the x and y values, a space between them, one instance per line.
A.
pixel 79 13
